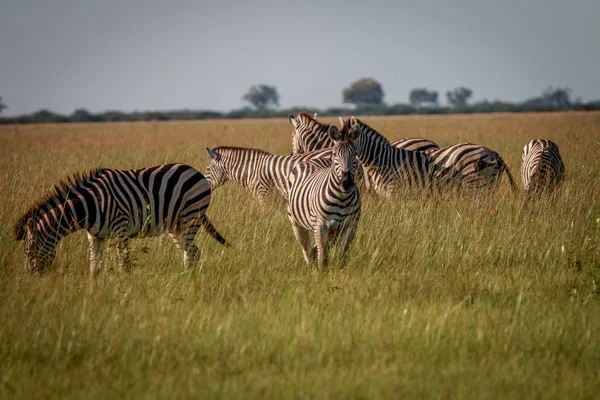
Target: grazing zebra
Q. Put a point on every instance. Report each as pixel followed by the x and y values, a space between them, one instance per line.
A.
pixel 310 135
pixel 257 170
pixel 121 204
pixel 325 200
pixel 542 167
pixel 467 165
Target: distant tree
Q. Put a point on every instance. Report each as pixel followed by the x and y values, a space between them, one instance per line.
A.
pixel 459 96
pixel 421 96
pixel 559 97
pixel 262 96
pixel 81 115
pixel 2 105
pixel 552 98
pixel 364 91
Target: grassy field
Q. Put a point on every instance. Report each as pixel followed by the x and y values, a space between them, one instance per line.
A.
pixel 460 297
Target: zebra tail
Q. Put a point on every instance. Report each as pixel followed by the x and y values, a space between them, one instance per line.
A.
pixel 208 226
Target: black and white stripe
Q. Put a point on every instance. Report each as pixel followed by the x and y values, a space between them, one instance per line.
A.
pixel 467 165
pixel 325 200
pixel 388 167
pixel 120 204
pixel 257 170
pixel 542 167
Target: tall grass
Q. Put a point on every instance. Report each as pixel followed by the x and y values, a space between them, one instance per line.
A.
pixel 468 296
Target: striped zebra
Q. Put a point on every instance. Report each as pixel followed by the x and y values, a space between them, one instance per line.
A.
pixel 120 204
pixel 542 167
pixel 388 167
pixel 325 200
pixel 468 165
pixel 257 170
pixel 309 135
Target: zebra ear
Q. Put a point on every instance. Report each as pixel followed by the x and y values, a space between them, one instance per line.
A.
pixel 315 116
pixel 292 119
pixel 353 121
pixel 342 122
pixel 334 133
pixel 353 133
pixel 213 155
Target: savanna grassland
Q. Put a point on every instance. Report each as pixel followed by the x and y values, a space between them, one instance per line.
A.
pixel 462 296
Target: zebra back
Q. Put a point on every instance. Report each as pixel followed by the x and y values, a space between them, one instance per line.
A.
pixel 542 166
pixel 416 144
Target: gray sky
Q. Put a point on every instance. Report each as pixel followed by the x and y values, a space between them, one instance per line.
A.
pixel 160 55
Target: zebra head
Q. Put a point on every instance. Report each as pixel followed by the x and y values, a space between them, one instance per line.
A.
pixel 39 250
pixel 216 174
pixel 309 134
pixel 297 143
pixel 343 157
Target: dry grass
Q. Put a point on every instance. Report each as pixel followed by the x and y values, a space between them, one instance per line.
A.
pixel 465 296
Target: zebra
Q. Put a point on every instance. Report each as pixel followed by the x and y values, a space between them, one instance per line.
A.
pixel 325 200
pixel 388 167
pixel 542 167
pixel 309 135
pixel 255 169
pixel 468 165
pixel 120 204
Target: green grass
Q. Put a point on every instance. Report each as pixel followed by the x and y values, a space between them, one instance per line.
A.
pixel 465 296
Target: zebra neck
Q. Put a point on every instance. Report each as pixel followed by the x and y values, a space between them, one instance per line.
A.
pixel 61 218
pixel 374 149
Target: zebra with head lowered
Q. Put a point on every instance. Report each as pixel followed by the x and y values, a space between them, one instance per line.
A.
pixel 257 170
pixel 120 204
pixel 468 165
pixel 309 134
pixel 325 200
pixel 542 167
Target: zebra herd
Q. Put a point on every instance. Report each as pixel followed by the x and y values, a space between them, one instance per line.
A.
pixel 319 180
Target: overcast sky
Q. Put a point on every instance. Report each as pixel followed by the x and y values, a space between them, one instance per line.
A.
pixel 160 55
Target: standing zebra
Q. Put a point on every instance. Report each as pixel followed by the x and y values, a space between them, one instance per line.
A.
pixel 468 165
pixel 121 204
pixel 542 167
pixel 388 166
pixel 325 200
pixel 257 170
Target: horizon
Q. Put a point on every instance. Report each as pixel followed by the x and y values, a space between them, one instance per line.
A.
pixel 147 56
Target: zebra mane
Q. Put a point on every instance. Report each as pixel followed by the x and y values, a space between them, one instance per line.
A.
pixel 234 149
pixel 372 133
pixel 58 192
pixel 309 119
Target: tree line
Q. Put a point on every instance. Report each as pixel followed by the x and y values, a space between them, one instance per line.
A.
pixel 366 95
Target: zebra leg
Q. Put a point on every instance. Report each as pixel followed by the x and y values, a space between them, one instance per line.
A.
pixel 123 255
pixel 321 233
pixel 96 247
pixel 301 235
pixel 185 242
